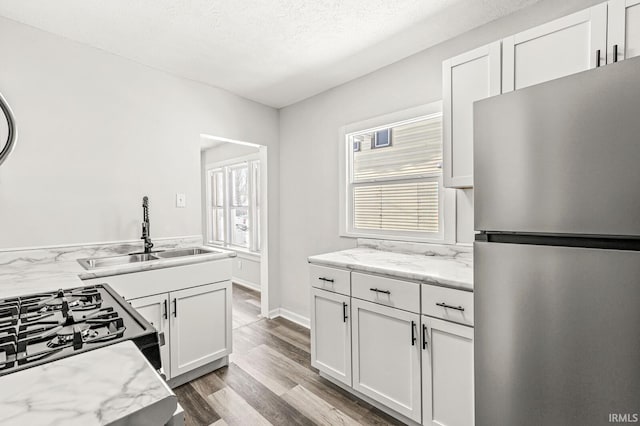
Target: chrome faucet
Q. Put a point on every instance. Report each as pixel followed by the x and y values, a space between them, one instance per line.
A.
pixel 148 245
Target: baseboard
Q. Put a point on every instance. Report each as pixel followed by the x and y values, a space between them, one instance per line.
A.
pixel 291 316
pixel 247 284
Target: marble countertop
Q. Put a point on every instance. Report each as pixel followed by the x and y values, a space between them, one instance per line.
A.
pixel 113 385
pixel 447 266
pixel 23 272
pixel 72 390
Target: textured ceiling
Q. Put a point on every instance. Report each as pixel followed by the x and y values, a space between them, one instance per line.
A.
pixel 274 52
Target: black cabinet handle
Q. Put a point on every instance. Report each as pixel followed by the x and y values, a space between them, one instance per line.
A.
pixel 165 313
pixel 329 280
pixel 380 291
pixel 444 305
pixel 597 58
pixel 344 312
pixel 615 53
pixel 175 308
pixel 413 333
pixel 424 337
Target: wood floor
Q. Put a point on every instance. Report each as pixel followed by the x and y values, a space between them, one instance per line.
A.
pixel 270 380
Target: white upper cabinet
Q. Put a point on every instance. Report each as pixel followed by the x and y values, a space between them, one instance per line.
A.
pixel 467 78
pixel 624 30
pixel 556 49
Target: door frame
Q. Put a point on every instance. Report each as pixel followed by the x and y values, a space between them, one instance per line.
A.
pixel 264 216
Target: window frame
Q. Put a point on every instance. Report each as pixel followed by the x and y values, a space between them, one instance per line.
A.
pixel 447 197
pixel 252 209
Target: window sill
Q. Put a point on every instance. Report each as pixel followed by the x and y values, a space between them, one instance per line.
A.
pixel 405 238
pixel 248 254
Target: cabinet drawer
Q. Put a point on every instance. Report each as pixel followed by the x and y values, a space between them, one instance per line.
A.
pixel 331 279
pixel 386 291
pixel 447 303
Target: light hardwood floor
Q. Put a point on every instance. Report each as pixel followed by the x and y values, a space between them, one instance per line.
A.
pixel 270 380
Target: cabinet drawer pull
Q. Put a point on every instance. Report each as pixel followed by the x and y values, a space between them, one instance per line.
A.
pixel 380 291
pixel 413 333
pixel 328 280
pixel 344 312
pixel 165 313
pixel 615 53
pixel 444 305
pixel 424 337
pixel 597 58
pixel 175 308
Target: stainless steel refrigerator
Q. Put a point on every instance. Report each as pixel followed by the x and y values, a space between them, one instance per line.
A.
pixel 557 259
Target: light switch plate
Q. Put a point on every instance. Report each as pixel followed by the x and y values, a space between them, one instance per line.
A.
pixel 181 200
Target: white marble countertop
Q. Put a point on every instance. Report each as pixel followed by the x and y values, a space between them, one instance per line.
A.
pixel 113 385
pixel 30 271
pixel 447 266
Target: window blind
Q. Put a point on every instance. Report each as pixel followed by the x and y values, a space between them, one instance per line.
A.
pixel 411 206
pixel 396 188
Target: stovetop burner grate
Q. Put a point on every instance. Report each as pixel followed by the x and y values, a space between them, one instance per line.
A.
pixel 47 326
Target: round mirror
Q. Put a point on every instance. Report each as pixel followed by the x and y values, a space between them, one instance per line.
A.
pixel 8 132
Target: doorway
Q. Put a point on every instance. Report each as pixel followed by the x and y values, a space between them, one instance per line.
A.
pixel 235 216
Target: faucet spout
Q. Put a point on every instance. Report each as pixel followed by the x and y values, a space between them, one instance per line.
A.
pixel 146 236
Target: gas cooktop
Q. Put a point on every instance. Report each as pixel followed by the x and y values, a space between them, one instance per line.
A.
pixel 44 327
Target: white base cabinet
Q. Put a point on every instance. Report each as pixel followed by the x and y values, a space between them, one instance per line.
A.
pixel 200 326
pixel 376 342
pixel 155 309
pixel 331 334
pixel 447 373
pixel 190 304
pixel 386 356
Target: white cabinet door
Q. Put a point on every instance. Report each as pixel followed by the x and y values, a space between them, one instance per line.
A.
pixel 386 356
pixel 155 309
pixel 623 38
pixel 467 78
pixel 331 334
pixel 200 326
pixel 447 373
pixel 562 47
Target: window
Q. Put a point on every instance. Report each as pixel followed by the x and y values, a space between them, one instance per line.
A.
pixel 393 178
pixel 233 213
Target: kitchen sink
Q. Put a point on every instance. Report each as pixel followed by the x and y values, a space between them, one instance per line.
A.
pixel 193 251
pixel 102 262
pixel 127 259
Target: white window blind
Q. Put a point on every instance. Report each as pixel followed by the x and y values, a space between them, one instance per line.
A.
pixel 398 187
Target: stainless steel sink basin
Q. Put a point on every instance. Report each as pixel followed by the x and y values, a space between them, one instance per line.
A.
pixel 193 251
pixel 101 262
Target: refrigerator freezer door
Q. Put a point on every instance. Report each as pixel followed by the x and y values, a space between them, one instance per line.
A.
pixel 561 157
pixel 557 334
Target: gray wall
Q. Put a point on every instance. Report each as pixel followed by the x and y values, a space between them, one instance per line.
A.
pixel 97 132
pixel 309 144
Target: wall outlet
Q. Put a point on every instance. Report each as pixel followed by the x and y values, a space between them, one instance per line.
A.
pixel 181 200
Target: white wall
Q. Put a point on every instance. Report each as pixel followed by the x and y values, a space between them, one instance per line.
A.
pixel 246 270
pixel 309 144
pixel 97 132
